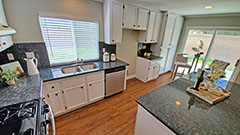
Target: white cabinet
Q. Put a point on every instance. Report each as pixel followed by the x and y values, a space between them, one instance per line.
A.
pixel 70 93
pixel 5 42
pixel 56 102
pixel 75 96
pixel 95 91
pixel 147 70
pixel 129 16
pixel 168 58
pixel 142 19
pixel 135 17
pixel 113 14
pixel 147 124
pixel 96 86
pixel 152 33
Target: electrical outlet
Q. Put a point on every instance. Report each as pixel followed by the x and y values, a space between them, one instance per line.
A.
pixel 30 55
pixel 104 50
pixel 10 56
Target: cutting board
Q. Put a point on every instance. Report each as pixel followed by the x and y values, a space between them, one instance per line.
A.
pixel 212 96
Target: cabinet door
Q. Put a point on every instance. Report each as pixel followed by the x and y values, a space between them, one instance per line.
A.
pixel 95 90
pixel 170 59
pixel 142 20
pixel 75 96
pixel 151 73
pixel 151 26
pixel 156 71
pixel 177 30
pixel 129 16
pixel 56 102
pixel 117 14
pixel 169 30
pixel 157 25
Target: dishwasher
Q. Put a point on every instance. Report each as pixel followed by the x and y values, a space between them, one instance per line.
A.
pixel 115 79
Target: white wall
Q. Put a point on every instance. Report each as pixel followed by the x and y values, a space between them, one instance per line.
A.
pixel 23 15
pixel 127 50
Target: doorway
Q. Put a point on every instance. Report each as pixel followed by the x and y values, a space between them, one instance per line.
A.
pixel 219 44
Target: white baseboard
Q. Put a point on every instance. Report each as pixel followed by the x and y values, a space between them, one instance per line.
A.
pixel 131 77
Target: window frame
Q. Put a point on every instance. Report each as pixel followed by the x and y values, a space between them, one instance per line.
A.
pixel 71 18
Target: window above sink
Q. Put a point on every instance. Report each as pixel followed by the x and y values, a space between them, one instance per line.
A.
pixel 67 40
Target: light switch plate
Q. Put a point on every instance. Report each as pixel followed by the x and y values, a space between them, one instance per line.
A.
pixel 30 55
pixel 10 56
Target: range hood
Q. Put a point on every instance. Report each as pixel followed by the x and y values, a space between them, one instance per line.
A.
pixel 6 30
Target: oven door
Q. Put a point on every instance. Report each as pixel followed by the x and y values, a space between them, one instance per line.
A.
pixel 48 123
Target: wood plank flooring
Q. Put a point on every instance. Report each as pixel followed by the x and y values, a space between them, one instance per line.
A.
pixel 112 116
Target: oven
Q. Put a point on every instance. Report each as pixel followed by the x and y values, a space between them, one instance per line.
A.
pixel 47 124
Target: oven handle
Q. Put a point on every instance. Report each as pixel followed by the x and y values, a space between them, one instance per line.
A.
pixel 52 119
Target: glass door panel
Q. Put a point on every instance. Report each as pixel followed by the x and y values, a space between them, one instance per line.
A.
pixel 226 47
pixel 193 40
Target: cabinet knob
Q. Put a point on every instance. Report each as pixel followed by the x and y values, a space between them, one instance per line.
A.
pixel 53 87
pixel 134 25
pixel 113 40
pixel 90 84
pixel 56 94
pixel 138 25
pixel 4 43
pixel 81 87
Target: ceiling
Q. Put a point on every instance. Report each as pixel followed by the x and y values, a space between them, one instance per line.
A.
pixel 192 7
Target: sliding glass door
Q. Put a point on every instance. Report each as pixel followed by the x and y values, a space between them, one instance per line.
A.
pixel 225 47
pixel 218 44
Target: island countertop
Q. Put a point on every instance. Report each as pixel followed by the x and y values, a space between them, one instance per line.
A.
pixel 186 114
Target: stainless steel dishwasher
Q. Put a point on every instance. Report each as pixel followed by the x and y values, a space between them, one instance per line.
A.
pixel 115 79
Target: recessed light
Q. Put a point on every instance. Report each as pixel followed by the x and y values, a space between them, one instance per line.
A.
pixel 208 7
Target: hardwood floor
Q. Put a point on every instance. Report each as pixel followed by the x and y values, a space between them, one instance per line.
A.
pixel 112 116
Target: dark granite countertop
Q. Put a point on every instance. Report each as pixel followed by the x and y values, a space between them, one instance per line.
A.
pixel 26 88
pixel 152 57
pixel 48 74
pixel 193 116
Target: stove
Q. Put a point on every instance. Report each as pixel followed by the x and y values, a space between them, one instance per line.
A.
pixel 19 119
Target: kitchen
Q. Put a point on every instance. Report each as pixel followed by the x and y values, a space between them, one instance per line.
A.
pixel 95 58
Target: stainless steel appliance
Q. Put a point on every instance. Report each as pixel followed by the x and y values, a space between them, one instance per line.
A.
pixel 27 118
pixel 115 79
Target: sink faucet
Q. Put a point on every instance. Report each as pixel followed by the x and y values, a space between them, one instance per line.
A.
pixel 79 61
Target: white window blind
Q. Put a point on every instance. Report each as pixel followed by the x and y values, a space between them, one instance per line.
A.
pixel 67 40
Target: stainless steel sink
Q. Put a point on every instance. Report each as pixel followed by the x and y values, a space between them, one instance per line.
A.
pixel 73 69
pixel 88 67
pixel 78 68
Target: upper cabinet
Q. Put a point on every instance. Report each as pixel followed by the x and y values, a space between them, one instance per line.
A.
pixel 152 33
pixel 129 16
pixel 142 20
pixel 135 18
pixel 113 15
pixel 5 42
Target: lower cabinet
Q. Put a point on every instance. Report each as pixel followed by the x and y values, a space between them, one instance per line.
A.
pixel 56 102
pixel 71 93
pixel 75 97
pixel 147 70
pixel 95 91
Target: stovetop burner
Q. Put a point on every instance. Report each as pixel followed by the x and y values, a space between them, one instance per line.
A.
pixel 19 119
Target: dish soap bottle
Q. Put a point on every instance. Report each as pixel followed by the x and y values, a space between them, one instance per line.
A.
pixel 199 81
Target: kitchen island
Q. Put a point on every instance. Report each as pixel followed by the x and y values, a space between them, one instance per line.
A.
pixel 171 110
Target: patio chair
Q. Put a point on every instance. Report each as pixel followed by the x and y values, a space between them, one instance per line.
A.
pixel 222 65
pixel 180 61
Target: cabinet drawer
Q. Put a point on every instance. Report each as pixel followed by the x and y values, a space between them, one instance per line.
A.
pixel 73 81
pixel 52 86
pixel 95 76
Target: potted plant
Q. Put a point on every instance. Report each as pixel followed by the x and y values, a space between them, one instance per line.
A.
pixel 198 51
pixel 8 76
